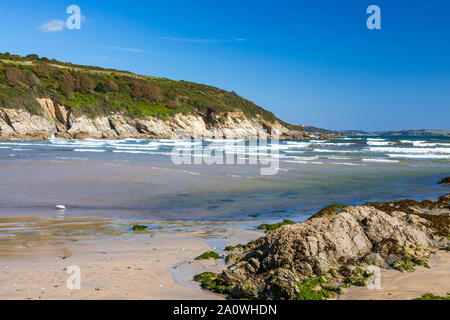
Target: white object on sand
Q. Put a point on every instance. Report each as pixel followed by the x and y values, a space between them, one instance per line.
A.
pixel 60 207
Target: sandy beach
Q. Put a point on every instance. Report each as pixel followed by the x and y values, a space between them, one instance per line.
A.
pixel 147 265
pixel 396 285
pixel 159 265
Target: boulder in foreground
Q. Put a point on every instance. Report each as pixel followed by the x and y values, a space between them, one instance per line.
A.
pixel 317 258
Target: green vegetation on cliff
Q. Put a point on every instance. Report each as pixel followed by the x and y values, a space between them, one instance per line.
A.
pixel 96 91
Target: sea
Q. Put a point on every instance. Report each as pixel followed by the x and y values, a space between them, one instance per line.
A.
pixel 142 180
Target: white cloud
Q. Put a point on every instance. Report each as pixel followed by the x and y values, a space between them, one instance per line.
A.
pixel 52 26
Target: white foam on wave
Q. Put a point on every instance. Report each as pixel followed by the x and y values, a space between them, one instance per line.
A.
pixel 143 152
pixel 335 158
pixel 419 156
pixel 131 151
pixel 334 151
pixel 294 151
pixel 349 138
pixel 302 162
pixel 324 143
pixel 89 150
pixel 380 143
pixel 347 163
pixel 375 139
pixel 21 144
pixel 408 150
pixel 379 160
pixel 421 143
pixel 300 158
pixel 136 148
pixel 295 144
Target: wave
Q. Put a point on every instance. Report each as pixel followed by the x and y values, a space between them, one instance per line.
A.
pixel 334 151
pixel 419 156
pixel 131 151
pixel 408 150
pixel 380 143
pixel 89 150
pixel 347 163
pixel 335 158
pixel 417 143
pixel 298 144
pixel 378 160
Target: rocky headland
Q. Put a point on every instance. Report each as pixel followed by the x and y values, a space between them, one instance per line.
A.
pixel 41 98
pixel 334 249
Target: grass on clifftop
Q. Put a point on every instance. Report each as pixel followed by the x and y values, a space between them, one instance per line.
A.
pixel 95 91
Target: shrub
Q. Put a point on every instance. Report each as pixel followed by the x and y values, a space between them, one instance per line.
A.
pixel 14 76
pixel 32 56
pixel 85 83
pixel 67 85
pixel 101 87
pixel 150 92
pixel 111 85
pixel 42 70
pixel 6 56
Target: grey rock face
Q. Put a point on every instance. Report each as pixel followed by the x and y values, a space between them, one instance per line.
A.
pixel 273 266
pixel 58 120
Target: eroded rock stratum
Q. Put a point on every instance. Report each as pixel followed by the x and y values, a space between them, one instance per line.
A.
pixel 59 121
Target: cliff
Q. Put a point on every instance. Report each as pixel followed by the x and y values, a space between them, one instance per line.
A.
pixel 40 98
pixel 59 121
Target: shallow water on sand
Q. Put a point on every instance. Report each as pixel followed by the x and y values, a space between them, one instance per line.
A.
pixel 136 179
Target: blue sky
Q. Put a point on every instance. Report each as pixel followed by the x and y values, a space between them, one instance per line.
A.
pixel 310 62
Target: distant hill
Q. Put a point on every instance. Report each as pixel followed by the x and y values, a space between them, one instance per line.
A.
pixel 404 133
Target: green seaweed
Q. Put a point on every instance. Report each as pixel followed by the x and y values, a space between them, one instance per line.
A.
pixel 328 210
pixel 271 227
pixel 430 296
pixel 139 227
pixel 208 255
pixel 358 277
pixel 208 281
pixel 408 264
pixel 315 288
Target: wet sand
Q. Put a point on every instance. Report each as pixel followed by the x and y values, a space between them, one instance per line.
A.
pixel 121 264
pixel 396 285
pixel 145 265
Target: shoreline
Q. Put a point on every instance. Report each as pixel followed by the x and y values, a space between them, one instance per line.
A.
pixel 160 264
